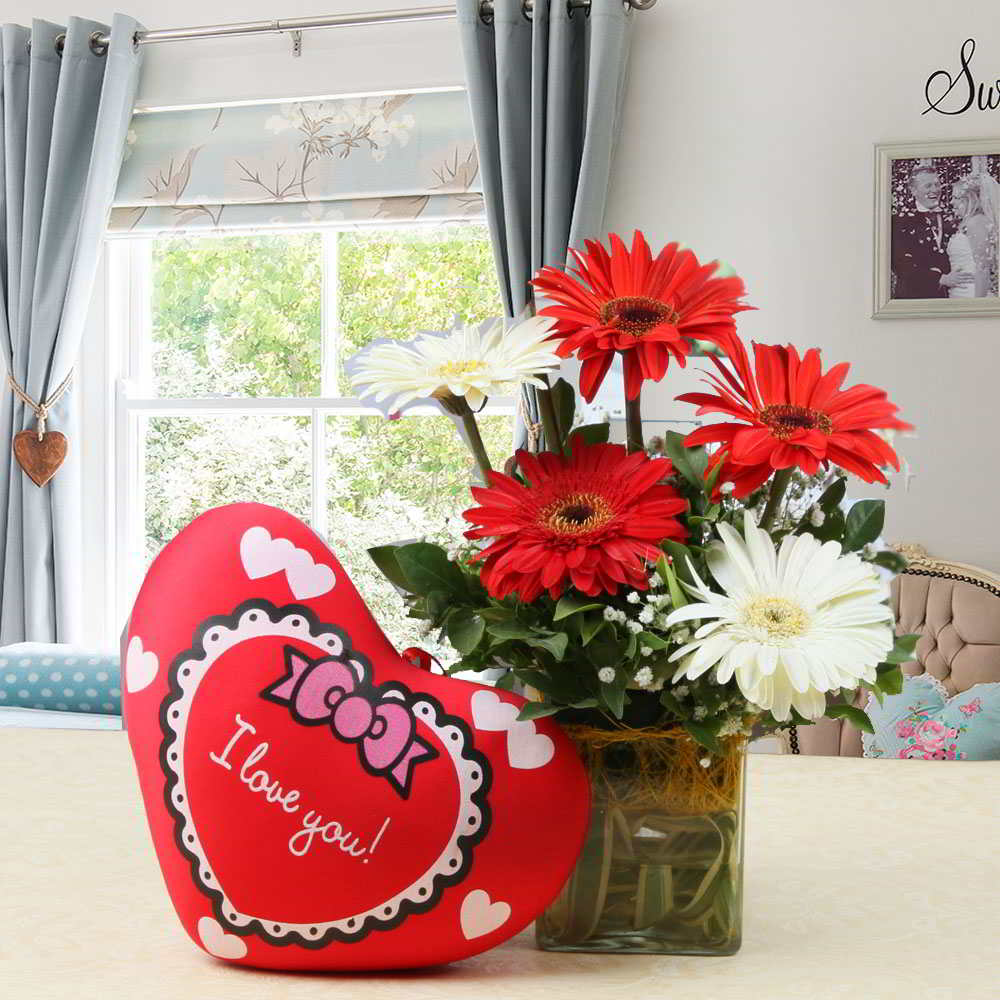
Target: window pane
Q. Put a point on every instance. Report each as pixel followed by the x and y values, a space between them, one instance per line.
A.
pixel 195 463
pixel 397 282
pixel 237 315
pixel 392 480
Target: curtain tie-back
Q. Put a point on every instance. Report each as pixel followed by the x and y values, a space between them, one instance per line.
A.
pixel 533 428
pixel 40 409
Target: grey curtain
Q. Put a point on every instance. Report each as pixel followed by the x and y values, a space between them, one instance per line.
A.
pixel 65 113
pixel 546 94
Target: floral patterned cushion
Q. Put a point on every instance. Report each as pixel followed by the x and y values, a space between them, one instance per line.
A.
pixel 925 723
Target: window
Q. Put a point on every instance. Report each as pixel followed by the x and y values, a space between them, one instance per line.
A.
pixel 233 387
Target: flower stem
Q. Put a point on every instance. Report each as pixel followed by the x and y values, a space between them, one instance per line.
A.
pixel 778 486
pixel 633 425
pixel 550 420
pixel 475 440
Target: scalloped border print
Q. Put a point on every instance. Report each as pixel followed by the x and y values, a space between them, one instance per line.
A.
pixel 257 618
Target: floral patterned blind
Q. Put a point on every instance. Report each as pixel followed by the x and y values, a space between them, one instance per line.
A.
pixel 355 160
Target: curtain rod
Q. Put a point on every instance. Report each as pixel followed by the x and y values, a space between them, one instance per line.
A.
pixel 293 24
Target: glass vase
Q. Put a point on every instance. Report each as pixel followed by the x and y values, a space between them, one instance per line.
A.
pixel 661 870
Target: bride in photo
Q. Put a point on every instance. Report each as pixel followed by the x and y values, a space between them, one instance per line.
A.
pixel 974 249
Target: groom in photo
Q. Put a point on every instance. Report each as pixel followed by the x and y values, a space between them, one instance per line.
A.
pixel 920 242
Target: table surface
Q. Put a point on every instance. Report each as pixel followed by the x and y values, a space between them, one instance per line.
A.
pixel 864 879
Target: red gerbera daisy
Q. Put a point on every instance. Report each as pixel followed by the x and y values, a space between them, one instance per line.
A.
pixel 647 309
pixel 592 520
pixel 793 415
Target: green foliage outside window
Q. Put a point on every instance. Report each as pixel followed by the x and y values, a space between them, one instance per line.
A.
pixel 243 316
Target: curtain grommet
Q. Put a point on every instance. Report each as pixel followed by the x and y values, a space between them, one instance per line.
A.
pixel 60 43
pixel 528 10
pixel 486 12
pixel 572 6
pixel 97 44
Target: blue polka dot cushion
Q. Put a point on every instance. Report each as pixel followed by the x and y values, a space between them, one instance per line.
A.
pixel 60 678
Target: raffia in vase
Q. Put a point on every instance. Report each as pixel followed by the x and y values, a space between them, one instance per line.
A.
pixel 661 869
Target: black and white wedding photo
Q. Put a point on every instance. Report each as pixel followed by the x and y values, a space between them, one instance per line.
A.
pixel 939 219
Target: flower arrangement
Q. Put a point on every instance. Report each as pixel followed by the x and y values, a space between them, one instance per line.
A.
pixel 664 599
pixel 640 586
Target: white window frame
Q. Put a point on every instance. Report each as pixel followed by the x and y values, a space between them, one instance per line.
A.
pixel 129 328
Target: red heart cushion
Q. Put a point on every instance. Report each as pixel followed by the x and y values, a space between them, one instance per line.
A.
pixel 316 801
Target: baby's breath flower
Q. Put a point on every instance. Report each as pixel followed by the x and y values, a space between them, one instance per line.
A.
pixel 633 597
pixel 700 712
pixel 816 516
pixel 682 690
pixel 634 627
pixel 610 614
pixel 644 677
pixel 705 761
pixel 646 651
pixel 606 675
pixel 646 616
pixel 727 487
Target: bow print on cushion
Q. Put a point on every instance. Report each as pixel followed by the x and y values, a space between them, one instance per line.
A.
pixel 337 693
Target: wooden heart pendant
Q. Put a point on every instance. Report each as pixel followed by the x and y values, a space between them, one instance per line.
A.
pixel 40 459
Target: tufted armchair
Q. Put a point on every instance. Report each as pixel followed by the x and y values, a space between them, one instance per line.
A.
pixel 955 608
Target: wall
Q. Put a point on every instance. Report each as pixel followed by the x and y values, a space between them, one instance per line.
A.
pixel 748 135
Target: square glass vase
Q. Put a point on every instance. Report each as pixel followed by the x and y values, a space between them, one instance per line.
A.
pixel 661 871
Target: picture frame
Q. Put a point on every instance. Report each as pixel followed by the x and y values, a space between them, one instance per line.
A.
pixel 919 271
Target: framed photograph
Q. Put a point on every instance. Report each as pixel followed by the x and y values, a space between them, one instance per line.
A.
pixel 937 216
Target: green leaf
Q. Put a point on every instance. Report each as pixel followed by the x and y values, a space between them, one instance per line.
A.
pixel 570 604
pixel 427 567
pixel 495 614
pixel 465 629
pixel 680 554
pixel 712 478
pixel 890 679
pixel 864 524
pixel 384 557
pixel 564 401
pixel 614 694
pixel 632 647
pixel 904 649
pixel 585 703
pixel 831 530
pixel 606 651
pixel 833 494
pixel 506 631
pixel 591 626
pixel 536 710
pixel 506 682
pixel 592 433
pixel 688 462
pixel 706 734
pixel 853 715
pixel 554 643
pixel 653 641
pixel 891 561
pixel 677 597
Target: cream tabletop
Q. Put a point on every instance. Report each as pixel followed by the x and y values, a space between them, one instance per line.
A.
pixel 864 879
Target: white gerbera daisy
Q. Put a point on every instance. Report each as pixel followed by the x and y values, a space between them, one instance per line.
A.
pixel 790 626
pixel 471 362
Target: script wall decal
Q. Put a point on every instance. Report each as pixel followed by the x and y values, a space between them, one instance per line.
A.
pixel 954 93
pixel 316 800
